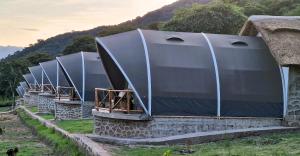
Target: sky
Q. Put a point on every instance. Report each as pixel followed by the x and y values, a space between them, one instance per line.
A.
pixel 22 22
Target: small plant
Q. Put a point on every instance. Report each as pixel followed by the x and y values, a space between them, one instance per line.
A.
pixel 167 153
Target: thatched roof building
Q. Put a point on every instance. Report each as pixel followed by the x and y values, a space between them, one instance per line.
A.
pixel 281 33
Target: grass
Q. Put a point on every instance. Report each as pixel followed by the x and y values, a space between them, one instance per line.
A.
pixel 17 135
pixel 33 109
pixel 276 145
pixel 47 116
pixel 5 109
pixel 62 146
pixel 5 102
pixel 76 126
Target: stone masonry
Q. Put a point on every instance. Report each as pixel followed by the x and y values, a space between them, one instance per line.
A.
pixel 293 108
pixel 33 98
pixel 46 103
pixel 162 126
pixel 68 110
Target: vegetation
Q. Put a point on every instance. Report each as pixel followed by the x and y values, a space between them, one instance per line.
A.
pixel 33 109
pixel 85 43
pixel 4 102
pixel 5 109
pixel 11 72
pixel 62 145
pixel 47 116
pixel 208 18
pixel 15 134
pixel 76 126
pixel 275 144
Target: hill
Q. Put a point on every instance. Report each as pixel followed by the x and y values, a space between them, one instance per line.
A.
pixel 57 44
pixel 6 50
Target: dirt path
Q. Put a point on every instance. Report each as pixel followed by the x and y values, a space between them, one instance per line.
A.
pixel 17 135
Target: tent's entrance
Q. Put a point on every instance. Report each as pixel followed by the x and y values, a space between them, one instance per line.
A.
pixel 120 98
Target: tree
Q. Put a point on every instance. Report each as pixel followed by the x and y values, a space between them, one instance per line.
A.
pixel 221 18
pixel 294 12
pixel 85 43
pixel 37 58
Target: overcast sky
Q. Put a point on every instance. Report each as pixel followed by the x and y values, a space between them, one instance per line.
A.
pixel 22 22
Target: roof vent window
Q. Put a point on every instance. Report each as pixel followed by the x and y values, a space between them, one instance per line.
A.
pixel 176 39
pixel 239 43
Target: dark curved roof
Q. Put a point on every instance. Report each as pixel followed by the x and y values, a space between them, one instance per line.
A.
pixel 85 72
pixel 175 73
pixel 18 91
pixel 24 85
pixel 29 78
pixel 54 73
pixel 38 75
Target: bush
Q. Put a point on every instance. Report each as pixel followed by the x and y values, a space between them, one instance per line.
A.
pixel 220 18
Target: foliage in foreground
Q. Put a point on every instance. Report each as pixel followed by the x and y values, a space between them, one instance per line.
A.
pixel 76 126
pixel 275 145
pixel 62 146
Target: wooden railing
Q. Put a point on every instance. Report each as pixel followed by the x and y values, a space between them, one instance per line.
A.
pixel 115 101
pixel 66 93
pixel 47 88
pixel 34 87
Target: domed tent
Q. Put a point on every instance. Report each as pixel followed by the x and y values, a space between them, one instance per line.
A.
pixel 38 75
pixel 54 74
pixel 85 72
pixel 195 74
pixel 29 79
pixel 24 85
pixel 20 91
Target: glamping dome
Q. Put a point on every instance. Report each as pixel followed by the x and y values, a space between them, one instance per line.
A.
pixel 85 72
pixel 54 74
pixel 38 75
pixel 29 79
pixel 194 74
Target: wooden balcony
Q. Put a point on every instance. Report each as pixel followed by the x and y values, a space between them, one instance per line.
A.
pixel 47 88
pixel 115 101
pixel 34 88
pixel 66 94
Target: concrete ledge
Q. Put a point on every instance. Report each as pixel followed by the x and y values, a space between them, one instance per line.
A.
pixel 47 94
pixel 119 116
pixel 68 102
pixel 194 138
pixel 91 147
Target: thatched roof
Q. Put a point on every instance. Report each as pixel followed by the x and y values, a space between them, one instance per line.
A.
pixel 281 33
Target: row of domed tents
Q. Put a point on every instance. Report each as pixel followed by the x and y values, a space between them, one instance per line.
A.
pixel 174 73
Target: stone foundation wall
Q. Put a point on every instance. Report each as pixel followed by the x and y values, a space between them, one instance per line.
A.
pixel 170 126
pixel 33 99
pixel 26 97
pixel 46 103
pixel 19 102
pixel 293 108
pixel 87 108
pixel 68 110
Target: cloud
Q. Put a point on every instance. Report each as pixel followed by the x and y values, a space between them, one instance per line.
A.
pixel 29 29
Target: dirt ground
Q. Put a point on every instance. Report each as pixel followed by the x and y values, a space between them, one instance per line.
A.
pixel 15 134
